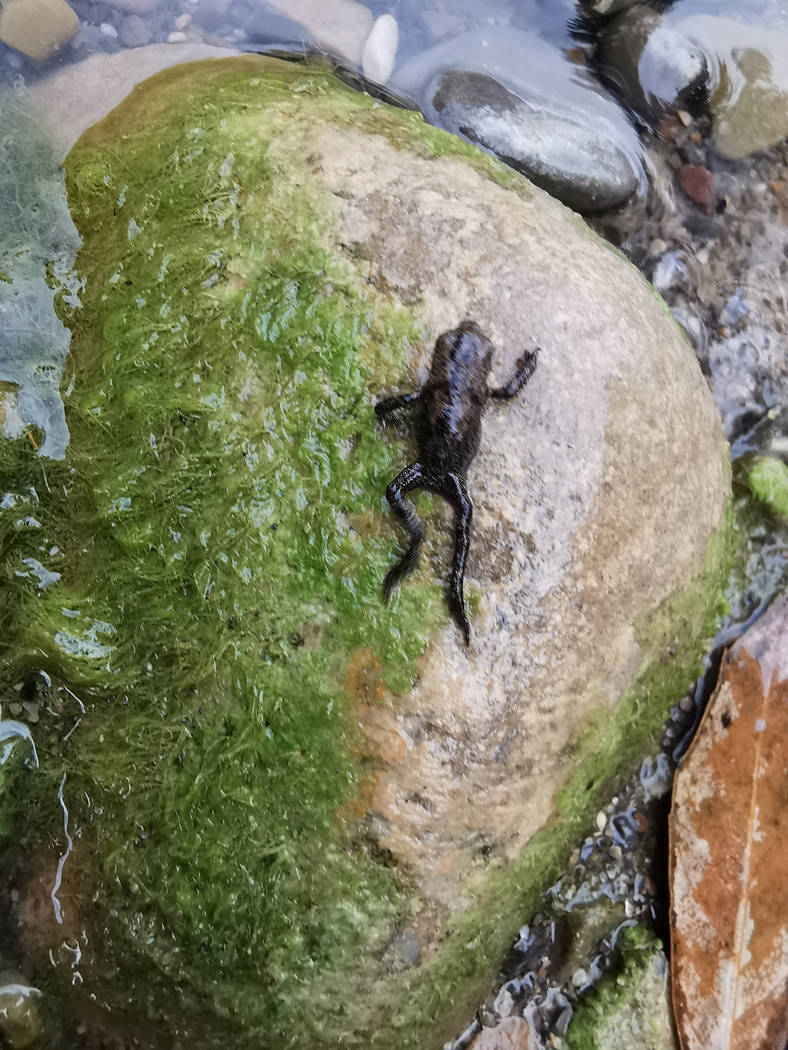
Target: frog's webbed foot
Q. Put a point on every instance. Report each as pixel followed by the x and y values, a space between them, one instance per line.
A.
pixel 391 404
pixel 412 477
pixel 456 493
pixel 526 365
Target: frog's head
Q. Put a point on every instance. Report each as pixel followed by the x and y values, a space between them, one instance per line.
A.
pixel 467 351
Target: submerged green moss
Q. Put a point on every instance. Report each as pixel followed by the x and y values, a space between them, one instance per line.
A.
pixel 629 1007
pixel 768 480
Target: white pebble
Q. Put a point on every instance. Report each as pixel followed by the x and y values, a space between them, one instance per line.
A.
pixel 182 21
pixel 107 29
pixel 176 38
pixel 380 50
pixel 601 820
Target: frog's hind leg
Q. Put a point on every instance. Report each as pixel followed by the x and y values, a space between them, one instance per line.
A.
pixel 412 477
pixel 391 404
pixel 455 491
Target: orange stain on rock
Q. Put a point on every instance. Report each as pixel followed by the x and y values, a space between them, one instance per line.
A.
pixel 729 855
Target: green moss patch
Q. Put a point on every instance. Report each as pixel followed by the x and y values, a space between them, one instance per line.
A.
pixel 628 1010
pixel 205 582
pixel 768 480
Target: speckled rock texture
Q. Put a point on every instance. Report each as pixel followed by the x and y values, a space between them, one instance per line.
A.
pixel 309 813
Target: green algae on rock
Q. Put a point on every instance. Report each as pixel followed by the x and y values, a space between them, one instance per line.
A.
pixel 630 1009
pixel 768 479
pixel 273 781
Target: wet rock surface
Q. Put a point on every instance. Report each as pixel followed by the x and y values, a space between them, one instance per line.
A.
pixel 562 155
pixel 648 64
pixel 728 852
pixel 748 94
pixel 559 575
pixel 491 87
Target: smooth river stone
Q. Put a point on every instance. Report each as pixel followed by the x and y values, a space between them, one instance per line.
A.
pixel 749 94
pixel 521 99
pixel 37 28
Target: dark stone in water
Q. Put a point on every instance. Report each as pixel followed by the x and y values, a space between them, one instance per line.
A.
pixel 567 158
pixel 651 66
pixel 520 98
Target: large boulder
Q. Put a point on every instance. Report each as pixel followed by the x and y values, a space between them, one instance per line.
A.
pixel 270 809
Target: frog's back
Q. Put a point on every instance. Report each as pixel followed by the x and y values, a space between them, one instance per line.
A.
pixel 454 398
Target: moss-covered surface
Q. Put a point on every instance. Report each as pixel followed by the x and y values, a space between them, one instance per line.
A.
pixel 768 479
pixel 628 1009
pixel 222 440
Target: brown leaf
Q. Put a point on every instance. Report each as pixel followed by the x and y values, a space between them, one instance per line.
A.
pixel 729 854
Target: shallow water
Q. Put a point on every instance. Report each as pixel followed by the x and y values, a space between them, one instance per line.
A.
pixel 35 226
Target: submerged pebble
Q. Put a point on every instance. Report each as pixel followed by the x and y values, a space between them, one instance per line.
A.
pixel 37 28
pixel 342 27
pixel 749 89
pixel 518 97
pixel 650 65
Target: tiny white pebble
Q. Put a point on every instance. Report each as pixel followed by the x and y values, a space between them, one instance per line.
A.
pixel 601 820
pixel 109 30
pixel 182 21
pixel 176 38
pixel 760 725
pixel 380 49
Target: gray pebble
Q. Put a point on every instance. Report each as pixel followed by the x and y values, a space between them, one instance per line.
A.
pixel 520 98
pixel 133 31
pixel 134 7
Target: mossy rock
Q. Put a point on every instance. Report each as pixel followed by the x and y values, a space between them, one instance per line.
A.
pixel 768 478
pixel 298 817
pixel 630 1008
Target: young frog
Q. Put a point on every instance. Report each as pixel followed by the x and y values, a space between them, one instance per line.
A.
pixel 448 424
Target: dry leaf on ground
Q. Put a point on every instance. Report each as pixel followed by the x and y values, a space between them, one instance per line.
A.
pixel 729 854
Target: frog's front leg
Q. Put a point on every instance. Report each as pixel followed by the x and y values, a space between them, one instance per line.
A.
pixel 526 366
pixel 410 478
pixel 391 404
pixel 455 491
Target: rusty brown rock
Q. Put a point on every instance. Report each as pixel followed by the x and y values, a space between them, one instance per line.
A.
pixel 729 854
pixel 698 184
